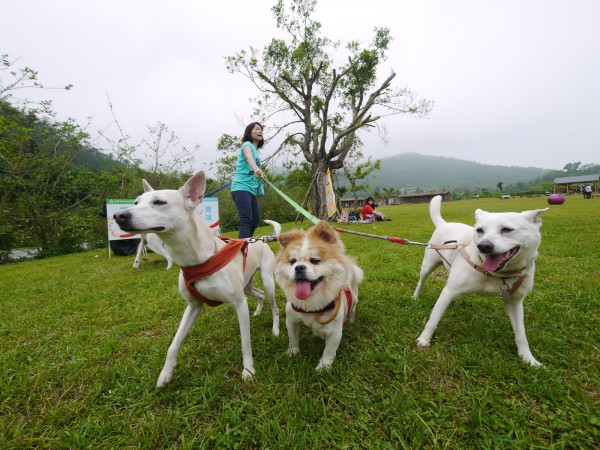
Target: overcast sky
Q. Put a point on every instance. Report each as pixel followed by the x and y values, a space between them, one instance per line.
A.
pixel 515 82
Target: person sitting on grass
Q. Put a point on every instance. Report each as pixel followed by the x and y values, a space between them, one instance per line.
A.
pixel 369 213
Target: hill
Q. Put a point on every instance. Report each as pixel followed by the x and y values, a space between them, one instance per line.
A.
pixel 412 171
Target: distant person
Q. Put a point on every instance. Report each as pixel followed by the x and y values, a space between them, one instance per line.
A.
pixel 246 184
pixel 588 191
pixel 369 213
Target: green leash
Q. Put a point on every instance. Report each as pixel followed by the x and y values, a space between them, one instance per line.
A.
pixel 296 206
pixel 314 220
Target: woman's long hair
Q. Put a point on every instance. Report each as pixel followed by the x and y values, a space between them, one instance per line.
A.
pixel 248 134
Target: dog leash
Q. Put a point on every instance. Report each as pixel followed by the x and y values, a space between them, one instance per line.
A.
pixel 296 206
pixel 210 194
pixel 314 220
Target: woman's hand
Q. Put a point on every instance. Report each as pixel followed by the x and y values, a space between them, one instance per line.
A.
pixel 259 173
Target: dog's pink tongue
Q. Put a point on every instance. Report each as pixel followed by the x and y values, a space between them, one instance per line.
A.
pixel 302 289
pixel 492 262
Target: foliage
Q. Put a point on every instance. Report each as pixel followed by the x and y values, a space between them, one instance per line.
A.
pixel 319 108
pixel 53 182
pixel 357 172
pixel 83 341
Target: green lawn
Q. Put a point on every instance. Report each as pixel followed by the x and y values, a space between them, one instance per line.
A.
pixel 83 338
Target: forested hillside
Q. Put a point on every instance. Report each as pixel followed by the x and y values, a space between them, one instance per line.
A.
pixel 414 171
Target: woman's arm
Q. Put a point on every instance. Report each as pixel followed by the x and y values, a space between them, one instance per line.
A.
pixel 250 159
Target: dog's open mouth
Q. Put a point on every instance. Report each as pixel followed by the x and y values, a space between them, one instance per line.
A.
pixel 305 287
pixel 494 263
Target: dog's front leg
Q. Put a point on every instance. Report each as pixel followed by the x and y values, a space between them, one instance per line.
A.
pixel 138 255
pixel 445 299
pixel 241 309
pixel 293 328
pixel 188 319
pixel 514 309
pixel 332 342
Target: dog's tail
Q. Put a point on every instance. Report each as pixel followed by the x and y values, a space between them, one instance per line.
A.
pixel 434 211
pixel 276 226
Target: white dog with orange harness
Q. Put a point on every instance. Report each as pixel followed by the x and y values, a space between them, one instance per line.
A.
pixel 214 271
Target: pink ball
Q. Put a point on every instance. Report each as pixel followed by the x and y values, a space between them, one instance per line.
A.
pixel 556 199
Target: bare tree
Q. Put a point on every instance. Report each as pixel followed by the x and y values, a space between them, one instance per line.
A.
pixel 314 107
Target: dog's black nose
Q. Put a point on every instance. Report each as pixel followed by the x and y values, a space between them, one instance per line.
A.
pixel 486 247
pixel 300 268
pixel 121 216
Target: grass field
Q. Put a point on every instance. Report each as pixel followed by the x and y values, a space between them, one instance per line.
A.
pixel 83 338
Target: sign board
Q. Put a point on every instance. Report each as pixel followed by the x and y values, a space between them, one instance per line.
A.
pixel 208 210
pixel 114 205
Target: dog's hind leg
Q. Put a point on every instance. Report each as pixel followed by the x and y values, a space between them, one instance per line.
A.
pixel 514 309
pixel 269 285
pixel 250 289
pixel 445 299
pixel 241 308
pixel 188 319
pixel 430 263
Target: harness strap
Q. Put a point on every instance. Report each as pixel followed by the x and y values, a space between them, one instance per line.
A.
pixel 215 263
pixel 516 285
pixel 336 303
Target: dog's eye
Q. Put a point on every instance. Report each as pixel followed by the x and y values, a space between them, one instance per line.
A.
pixel 293 261
pixel 479 230
pixel 507 229
pixel 315 261
pixel 159 202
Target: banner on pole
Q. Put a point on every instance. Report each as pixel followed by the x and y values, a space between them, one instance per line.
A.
pixel 330 195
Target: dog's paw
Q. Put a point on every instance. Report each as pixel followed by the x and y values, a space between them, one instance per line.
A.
pixel 531 361
pixel 421 342
pixel 324 365
pixel 275 330
pixel 164 378
pixel 293 351
pixel 248 373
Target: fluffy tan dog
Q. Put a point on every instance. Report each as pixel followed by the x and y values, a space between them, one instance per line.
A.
pixel 320 284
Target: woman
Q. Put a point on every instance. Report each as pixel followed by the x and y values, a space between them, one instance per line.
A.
pixel 369 214
pixel 246 180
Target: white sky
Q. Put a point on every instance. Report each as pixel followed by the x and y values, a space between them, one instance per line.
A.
pixel 515 82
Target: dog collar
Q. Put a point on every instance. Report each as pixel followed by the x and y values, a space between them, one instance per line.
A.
pixel 336 303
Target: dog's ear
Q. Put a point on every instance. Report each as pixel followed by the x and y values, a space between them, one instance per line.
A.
pixel 479 213
pixel 147 187
pixel 193 189
pixel 533 216
pixel 324 232
pixel 285 238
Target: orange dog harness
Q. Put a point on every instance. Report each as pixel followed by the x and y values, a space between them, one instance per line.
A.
pixel 213 264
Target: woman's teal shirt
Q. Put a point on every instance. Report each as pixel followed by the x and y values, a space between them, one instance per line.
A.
pixel 244 178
